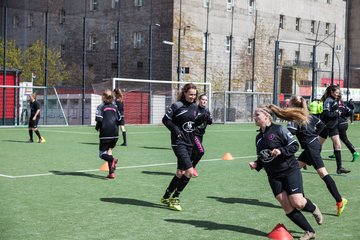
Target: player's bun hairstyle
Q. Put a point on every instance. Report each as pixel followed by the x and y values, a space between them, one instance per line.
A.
pixel 118 93
pixel 107 96
pixel 295 114
pixel 33 95
pixel 202 95
pixel 328 91
pixel 185 89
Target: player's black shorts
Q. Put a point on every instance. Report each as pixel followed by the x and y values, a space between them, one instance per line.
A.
pixel 122 121
pixel 183 154
pixel 312 155
pixel 105 144
pixel 33 123
pixel 292 183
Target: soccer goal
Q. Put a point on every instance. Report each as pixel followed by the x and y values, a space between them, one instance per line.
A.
pixel 15 108
pixel 145 101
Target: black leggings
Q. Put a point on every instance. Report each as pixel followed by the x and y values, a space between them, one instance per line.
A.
pixel 343 136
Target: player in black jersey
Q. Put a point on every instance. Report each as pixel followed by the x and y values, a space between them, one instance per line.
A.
pixel 107 123
pixel 308 136
pixel 180 120
pixel 120 105
pixel 343 126
pixel 330 118
pixel 276 147
pixel 34 119
pixel 203 118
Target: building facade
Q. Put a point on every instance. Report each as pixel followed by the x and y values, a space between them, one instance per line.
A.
pixel 230 43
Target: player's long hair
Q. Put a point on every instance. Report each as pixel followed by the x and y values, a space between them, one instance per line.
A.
pixel 300 115
pixel 107 96
pixel 185 89
pixel 118 94
pixel 328 91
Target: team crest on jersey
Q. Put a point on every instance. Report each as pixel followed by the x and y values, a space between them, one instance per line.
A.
pixel 271 136
pixel 188 126
pixel 265 155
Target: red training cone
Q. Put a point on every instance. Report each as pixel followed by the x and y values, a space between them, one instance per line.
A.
pixel 280 233
pixel 104 167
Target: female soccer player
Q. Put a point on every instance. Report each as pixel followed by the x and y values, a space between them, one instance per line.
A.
pixel 120 105
pixel 203 118
pixel 180 120
pixel 276 147
pixel 330 118
pixel 308 136
pixel 34 119
pixel 107 123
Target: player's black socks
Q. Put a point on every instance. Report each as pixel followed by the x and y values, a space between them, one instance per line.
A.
pixel 124 136
pixel 309 206
pixel 298 218
pixel 184 180
pixel 331 185
pixel 38 134
pixel 172 186
pixel 31 135
pixel 338 158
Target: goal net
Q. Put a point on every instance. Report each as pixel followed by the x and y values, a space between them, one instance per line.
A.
pixel 15 108
pixel 145 101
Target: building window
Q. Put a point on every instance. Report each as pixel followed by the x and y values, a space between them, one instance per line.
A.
pixel 311 57
pixel 204 41
pixel 206 3
pixel 62 50
pixel 92 43
pixel 327 28
pixel 114 4
pixel 248 85
pixel 281 21
pixel 250 7
pixel 229 5
pixel 297 57
pixel 328 1
pixel 93 5
pixel 281 54
pixel 139 3
pixel 312 26
pixel 138 40
pixel 250 44
pixel 140 64
pixel 326 60
pixel 228 44
pixel 297 24
pixel 62 16
pixel 114 42
pixel 15 21
pixel 30 20
pixel 338 48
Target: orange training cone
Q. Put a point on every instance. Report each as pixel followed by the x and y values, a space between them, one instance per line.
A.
pixel 227 156
pixel 104 167
pixel 280 233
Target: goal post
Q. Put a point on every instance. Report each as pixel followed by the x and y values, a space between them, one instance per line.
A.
pixel 145 101
pixel 15 108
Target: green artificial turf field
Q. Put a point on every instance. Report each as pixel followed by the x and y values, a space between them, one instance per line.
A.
pixel 54 191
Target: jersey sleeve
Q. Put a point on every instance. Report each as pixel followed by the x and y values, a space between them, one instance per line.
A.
pixel 290 145
pixel 292 127
pixel 168 119
pixel 99 116
pixel 327 112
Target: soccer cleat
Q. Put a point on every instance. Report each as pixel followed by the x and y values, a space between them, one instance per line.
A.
pixel 195 173
pixel 30 141
pixel 317 215
pixel 111 176
pixel 165 201
pixel 342 170
pixel 41 140
pixel 355 156
pixel 175 204
pixel 332 156
pixel 341 206
pixel 124 144
pixel 307 235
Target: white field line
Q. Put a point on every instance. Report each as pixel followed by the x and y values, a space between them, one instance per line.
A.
pixel 125 167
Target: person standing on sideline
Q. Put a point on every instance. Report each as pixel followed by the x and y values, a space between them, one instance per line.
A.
pixel 180 120
pixel 34 119
pixel 308 137
pixel 276 148
pixel 107 124
pixel 316 108
pixel 351 105
pixel 203 118
pixel 343 126
pixel 120 105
